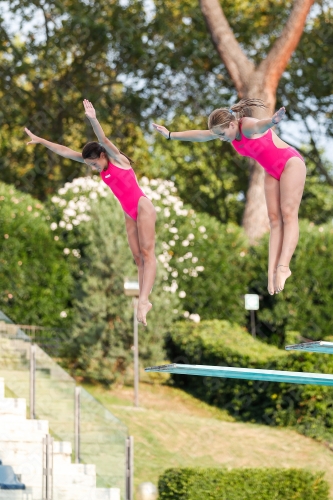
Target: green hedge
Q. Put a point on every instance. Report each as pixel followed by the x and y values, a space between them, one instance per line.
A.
pixel 35 277
pixel 242 484
pixel 306 302
pixel 309 408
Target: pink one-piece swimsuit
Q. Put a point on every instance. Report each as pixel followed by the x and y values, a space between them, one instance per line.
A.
pixel 265 152
pixel 124 185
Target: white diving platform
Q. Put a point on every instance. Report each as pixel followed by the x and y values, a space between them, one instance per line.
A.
pixel 246 374
pixel 318 346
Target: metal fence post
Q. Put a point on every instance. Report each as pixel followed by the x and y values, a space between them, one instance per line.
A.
pixel 32 381
pixel 136 353
pixel 48 467
pixel 77 423
pixel 129 468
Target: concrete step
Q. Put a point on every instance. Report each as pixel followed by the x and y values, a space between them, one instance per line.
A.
pixel 17 495
pixel 74 493
pixel 107 494
pixel 13 407
pixel 26 426
pixel 73 476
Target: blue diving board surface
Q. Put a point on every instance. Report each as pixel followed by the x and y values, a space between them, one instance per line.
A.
pixel 319 346
pixel 246 373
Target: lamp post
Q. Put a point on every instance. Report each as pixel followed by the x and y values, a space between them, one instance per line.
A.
pixel 131 289
pixel 252 304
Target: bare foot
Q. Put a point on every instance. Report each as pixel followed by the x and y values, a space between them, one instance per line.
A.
pixel 143 310
pixel 271 283
pixel 282 274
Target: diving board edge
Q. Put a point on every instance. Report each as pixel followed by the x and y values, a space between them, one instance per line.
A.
pixel 246 374
pixel 319 346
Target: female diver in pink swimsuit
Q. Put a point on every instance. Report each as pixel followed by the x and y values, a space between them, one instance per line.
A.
pixel 285 174
pixel 140 216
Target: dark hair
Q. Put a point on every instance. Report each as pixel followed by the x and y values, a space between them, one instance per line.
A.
pixel 223 116
pixel 94 149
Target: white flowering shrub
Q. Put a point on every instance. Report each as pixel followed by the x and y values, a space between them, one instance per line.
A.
pixel 73 204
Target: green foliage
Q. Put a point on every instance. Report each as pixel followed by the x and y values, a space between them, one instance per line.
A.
pixel 305 304
pixel 195 248
pixel 219 176
pixel 219 343
pixel 69 51
pixel 242 484
pixel 35 279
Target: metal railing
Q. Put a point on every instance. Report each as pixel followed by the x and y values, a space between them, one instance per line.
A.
pixel 96 435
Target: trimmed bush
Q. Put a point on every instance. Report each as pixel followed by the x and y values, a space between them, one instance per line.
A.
pixel 309 408
pixel 242 484
pixel 306 302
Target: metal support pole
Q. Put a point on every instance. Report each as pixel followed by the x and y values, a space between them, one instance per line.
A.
pixel 129 468
pixel 47 468
pixel 136 353
pixel 77 422
pixel 32 402
pixel 253 324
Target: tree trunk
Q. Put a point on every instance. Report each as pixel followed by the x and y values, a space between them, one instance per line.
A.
pixel 255 217
pixel 255 82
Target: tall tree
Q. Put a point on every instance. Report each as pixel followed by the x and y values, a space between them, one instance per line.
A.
pixel 260 81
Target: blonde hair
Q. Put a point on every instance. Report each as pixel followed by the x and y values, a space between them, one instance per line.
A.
pixel 223 116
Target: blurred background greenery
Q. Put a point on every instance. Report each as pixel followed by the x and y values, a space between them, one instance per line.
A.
pixel 63 246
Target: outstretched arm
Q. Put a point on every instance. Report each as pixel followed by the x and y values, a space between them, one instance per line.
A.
pixel 56 148
pixel 187 135
pixel 251 126
pixel 111 149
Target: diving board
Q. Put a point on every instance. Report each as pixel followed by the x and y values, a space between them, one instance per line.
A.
pixel 245 373
pixel 318 346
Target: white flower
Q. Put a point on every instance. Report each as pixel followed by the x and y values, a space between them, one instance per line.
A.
pixel 69 227
pixel 202 229
pixel 172 243
pixel 185 271
pixel 62 223
pixel 186 314
pixel 67 251
pixel 70 212
pixel 188 255
pixel 195 318
pixel 158 209
pixel 182 294
pixel 62 191
pixel 242 254
pixel 191 236
pixel 75 222
pixel 185 243
pixel 167 212
pixel 173 230
pixel 195 259
pixel 63 314
pixel 174 274
pixel 53 226
pixel 200 269
pixel 55 199
pixel 93 195
pixel 76 253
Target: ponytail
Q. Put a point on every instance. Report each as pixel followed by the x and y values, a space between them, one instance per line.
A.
pixel 94 149
pixel 223 116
